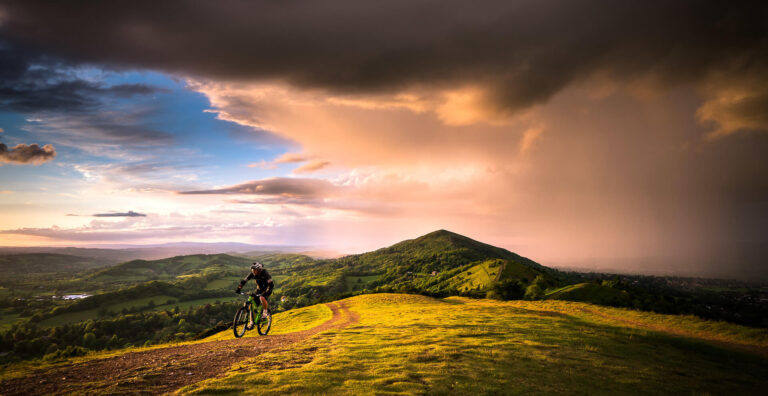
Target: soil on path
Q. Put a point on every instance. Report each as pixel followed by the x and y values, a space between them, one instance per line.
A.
pixel 162 370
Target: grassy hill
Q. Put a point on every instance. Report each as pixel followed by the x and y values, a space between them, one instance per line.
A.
pixel 50 263
pixel 596 293
pixel 416 344
pixel 440 263
pixel 412 344
pixel 171 268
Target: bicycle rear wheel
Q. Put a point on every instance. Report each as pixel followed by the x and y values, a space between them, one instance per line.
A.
pixel 240 324
pixel 264 324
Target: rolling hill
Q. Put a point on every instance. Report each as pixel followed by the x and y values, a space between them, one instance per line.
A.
pixel 51 263
pixel 596 293
pixel 439 263
pixel 172 268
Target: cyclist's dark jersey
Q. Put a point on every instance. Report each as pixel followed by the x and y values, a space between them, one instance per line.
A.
pixel 263 281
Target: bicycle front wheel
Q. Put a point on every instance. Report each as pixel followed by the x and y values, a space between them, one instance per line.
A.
pixel 240 324
pixel 264 324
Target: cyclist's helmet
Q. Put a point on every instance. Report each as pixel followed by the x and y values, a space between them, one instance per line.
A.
pixel 257 265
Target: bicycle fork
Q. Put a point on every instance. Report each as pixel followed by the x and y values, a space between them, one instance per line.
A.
pixel 255 311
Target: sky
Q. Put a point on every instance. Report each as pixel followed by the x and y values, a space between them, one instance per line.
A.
pixel 598 135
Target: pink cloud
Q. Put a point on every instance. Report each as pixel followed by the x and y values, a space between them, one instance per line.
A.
pixel 313 166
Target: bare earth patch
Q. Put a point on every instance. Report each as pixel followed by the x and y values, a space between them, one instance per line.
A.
pixel 165 369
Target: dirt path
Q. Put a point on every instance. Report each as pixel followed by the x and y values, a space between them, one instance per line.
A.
pixel 165 369
pixel 760 350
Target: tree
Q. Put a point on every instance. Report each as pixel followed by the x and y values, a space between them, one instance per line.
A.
pixel 534 292
pixel 89 340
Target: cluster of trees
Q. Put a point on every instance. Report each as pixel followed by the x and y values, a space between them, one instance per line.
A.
pixel 670 295
pixel 27 340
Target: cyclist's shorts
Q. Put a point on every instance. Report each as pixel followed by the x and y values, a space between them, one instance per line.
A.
pixel 265 295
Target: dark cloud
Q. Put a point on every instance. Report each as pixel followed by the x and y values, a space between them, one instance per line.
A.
pixel 523 51
pixel 27 154
pixel 300 188
pixel 51 89
pixel 32 82
pixel 102 127
pixel 130 213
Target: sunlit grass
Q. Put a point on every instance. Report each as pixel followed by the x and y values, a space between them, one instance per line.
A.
pixel 408 344
pixel 478 276
pixel 284 322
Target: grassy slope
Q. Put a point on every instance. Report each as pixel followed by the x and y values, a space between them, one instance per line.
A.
pixel 284 322
pixel 416 344
pixel 46 263
pixel 478 277
pixel 458 261
pixel 170 268
pixel 590 292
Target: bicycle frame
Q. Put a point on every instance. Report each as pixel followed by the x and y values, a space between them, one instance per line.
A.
pixel 253 306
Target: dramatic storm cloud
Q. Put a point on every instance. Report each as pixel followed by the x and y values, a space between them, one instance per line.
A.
pixel 518 53
pixel 26 154
pixel 32 82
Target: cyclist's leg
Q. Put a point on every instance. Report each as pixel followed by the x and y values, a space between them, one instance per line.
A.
pixel 264 300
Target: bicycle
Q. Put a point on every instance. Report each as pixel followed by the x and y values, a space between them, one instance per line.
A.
pixel 251 308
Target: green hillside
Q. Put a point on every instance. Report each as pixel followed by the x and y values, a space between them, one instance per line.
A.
pixel 591 292
pixel 440 263
pixel 171 268
pixel 33 263
pixel 405 344
pixel 142 286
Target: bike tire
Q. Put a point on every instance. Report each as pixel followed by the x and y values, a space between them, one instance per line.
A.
pixel 240 324
pixel 264 324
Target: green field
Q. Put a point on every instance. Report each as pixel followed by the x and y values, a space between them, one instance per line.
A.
pixel 7 319
pixel 219 284
pixel 70 317
pixel 160 301
pixel 407 344
pixel 477 277
pixel 353 283
pixel 140 303
pixel 195 303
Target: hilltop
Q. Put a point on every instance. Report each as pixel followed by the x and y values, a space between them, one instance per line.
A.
pixel 440 263
pixel 49 263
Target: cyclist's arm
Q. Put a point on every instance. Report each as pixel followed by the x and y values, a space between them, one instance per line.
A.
pixel 244 280
pixel 270 284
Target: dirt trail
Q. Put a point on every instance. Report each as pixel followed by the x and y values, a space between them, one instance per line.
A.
pixel 760 350
pixel 162 370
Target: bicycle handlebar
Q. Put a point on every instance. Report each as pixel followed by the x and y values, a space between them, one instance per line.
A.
pixel 256 294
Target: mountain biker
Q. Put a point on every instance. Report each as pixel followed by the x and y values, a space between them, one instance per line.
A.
pixel 263 283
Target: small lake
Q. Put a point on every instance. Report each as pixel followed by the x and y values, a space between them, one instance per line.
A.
pixel 74 296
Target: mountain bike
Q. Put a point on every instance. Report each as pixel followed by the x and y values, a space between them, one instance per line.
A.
pixel 251 308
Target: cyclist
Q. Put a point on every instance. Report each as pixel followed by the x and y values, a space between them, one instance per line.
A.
pixel 263 283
